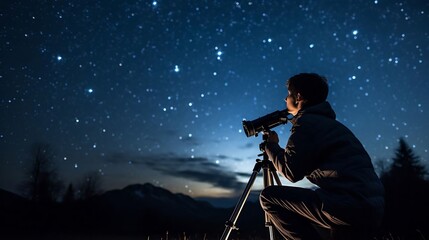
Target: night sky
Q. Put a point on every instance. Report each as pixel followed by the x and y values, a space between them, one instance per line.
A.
pixel 156 91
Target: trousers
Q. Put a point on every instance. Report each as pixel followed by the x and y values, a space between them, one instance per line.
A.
pixel 296 213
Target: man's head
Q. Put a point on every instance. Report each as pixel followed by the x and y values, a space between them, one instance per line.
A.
pixel 306 89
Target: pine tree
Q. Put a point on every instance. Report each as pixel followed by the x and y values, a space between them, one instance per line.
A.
pixel 406 193
pixel 406 165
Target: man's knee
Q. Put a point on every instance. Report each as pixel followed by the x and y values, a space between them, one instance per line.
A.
pixel 265 198
pixel 268 191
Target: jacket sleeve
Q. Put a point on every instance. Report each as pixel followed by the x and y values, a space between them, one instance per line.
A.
pixel 297 159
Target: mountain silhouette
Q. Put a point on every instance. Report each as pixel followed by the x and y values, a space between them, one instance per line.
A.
pixel 153 209
pixel 138 209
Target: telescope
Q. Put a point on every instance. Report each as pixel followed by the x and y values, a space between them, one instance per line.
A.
pixel 252 128
pixel 265 123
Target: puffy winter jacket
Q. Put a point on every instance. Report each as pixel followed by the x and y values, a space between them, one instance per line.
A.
pixel 330 156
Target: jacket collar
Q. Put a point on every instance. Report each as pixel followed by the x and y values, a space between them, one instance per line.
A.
pixel 323 109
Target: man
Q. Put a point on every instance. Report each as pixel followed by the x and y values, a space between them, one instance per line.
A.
pixel 349 200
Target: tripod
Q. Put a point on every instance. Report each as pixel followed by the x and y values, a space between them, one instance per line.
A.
pixel 269 172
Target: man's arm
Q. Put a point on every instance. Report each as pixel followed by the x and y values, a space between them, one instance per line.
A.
pixel 296 160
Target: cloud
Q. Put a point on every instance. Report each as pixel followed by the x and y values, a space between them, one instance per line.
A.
pixel 198 169
pixel 224 157
pixel 247 175
pixel 248 145
pixel 120 158
pixel 216 178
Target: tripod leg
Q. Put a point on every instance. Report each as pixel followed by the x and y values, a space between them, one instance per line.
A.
pixel 268 181
pixel 274 174
pixel 230 224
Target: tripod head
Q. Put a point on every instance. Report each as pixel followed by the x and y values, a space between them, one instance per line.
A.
pixel 263 144
pixel 265 135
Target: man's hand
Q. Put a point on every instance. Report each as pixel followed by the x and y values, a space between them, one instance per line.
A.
pixel 271 136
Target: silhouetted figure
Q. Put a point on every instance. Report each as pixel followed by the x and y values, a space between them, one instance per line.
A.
pixel 349 200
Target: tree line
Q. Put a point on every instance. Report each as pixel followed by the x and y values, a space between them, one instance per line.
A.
pixel 42 183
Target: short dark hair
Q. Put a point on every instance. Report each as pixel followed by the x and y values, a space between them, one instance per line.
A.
pixel 312 87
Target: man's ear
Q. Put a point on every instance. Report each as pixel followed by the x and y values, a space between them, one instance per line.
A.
pixel 299 97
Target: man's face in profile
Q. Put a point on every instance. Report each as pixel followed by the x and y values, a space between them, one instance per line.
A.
pixel 291 105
